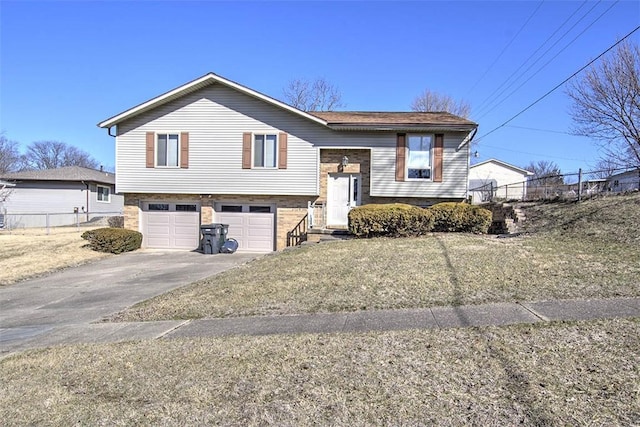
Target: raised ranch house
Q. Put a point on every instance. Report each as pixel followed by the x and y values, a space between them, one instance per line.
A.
pixel 497 179
pixel 55 197
pixel 212 150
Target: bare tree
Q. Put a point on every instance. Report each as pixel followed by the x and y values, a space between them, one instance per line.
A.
pixel 317 95
pixel 5 192
pixel 56 154
pixel 606 104
pixel 544 173
pixel 605 167
pixel 430 101
pixel 10 159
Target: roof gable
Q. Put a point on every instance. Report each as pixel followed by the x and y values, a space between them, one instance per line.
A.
pixel 504 165
pixel 68 173
pixel 199 83
pixel 344 120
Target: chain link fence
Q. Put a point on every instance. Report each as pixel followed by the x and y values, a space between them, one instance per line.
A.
pixel 49 220
pixel 569 186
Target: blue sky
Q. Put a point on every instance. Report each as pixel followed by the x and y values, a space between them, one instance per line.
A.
pixel 65 66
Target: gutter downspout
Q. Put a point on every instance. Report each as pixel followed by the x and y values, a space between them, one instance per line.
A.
pixel 87 211
pixel 475 131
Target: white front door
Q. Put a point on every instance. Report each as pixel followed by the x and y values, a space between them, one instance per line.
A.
pixel 343 193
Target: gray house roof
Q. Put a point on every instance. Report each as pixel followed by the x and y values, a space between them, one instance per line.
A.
pixel 68 173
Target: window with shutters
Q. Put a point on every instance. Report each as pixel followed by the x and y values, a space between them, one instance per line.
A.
pixel 419 156
pixel 265 148
pixel 167 149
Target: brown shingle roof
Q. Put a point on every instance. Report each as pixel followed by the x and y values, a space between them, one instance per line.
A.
pixel 68 173
pixel 379 118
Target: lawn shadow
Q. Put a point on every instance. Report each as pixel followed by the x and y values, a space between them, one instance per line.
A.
pixel 518 382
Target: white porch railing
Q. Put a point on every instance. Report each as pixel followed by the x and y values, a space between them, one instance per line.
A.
pixel 316 214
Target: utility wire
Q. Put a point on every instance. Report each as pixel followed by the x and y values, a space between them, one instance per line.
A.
pixel 489 98
pixel 543 130
pixel 506 47
pixel 559 84
pixel 546 63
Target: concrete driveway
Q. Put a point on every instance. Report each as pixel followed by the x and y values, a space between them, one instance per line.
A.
pixel 63 307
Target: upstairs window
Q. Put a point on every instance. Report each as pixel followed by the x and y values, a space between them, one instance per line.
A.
pixel 419 156
pixel 103 193
pixel 167 149
pixel 265 147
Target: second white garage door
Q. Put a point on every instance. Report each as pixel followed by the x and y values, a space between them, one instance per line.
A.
pixel 251 225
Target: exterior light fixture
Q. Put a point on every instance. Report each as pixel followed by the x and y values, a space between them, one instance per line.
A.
pixel 345 161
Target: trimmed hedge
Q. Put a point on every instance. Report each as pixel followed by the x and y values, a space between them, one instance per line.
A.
pixel 113 240
pixel 460 217
pixel 395 220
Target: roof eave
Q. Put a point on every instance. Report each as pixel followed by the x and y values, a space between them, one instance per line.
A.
pixel 402 127
pixel 194 85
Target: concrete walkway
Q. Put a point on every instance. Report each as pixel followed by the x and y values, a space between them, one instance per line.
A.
pixel 423 318
pixel 361 321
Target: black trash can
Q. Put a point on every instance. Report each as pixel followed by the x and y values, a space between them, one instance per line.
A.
pixel 213 237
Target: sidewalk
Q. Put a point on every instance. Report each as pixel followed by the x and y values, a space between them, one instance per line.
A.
pixel 359 321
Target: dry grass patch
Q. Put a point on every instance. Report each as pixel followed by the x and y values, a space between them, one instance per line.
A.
pixel 27 253
pixel 441 269
pixel 557 374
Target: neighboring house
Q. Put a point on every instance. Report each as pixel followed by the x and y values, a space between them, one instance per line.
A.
pixel 495 179
pixel 625 181
pixel 215 151
pixel 60 196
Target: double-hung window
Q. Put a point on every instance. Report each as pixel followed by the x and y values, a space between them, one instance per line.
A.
pixel 265 147
pixel 167 149
pixel 419 156
pixel 103 193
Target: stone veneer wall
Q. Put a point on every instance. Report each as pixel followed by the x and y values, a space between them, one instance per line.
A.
pixel 289 209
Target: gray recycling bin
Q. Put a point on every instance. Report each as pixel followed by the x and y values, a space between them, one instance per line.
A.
pixel 213 237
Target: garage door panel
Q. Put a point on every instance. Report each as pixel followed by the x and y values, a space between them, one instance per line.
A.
pixel 171 229
pixel 253 231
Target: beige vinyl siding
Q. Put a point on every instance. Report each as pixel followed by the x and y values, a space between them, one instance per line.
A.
pixel 216 118
pixel 454 172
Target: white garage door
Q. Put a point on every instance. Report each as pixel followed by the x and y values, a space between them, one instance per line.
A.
pixel 171 225
pixel 251 225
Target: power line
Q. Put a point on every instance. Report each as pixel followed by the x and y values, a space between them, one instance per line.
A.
pixel 543 130
pixel 546 63
pixel 506 47
pixel 484 104
pixel 559 84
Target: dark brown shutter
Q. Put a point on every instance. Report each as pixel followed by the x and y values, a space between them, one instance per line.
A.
pixel 246 150
pixel 184 150
pixel 401 150
pixel 151 140
pixel 282 151
pixel 437 157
